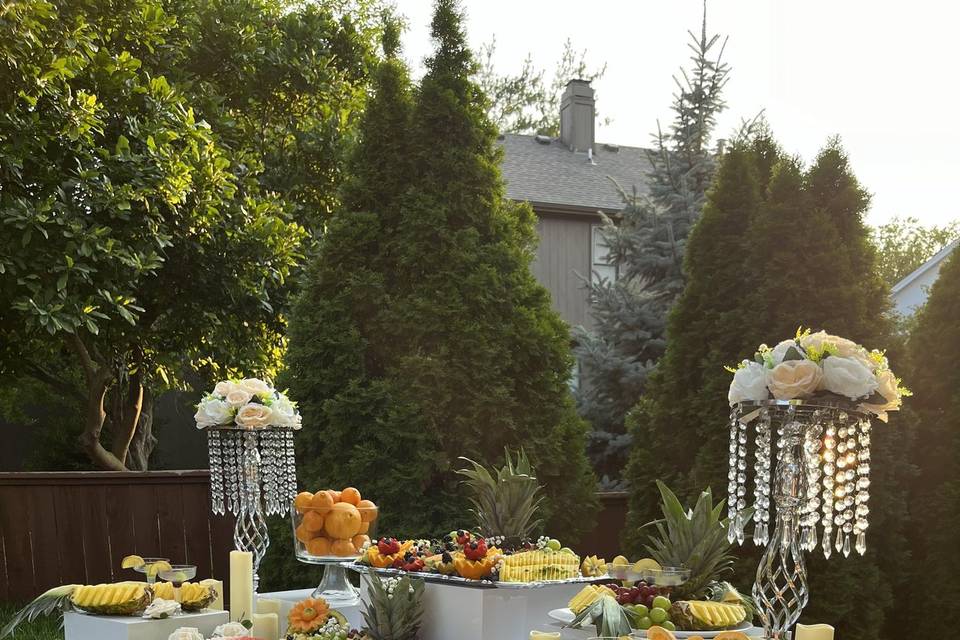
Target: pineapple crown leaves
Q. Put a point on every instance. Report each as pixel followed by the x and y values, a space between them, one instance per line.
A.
pixel 508 504
pixel 396 615
pixel 612 620
pixel 56 599
pixel 694 539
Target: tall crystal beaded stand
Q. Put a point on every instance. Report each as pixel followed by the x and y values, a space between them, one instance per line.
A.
pixel 252 475
pixel 821 481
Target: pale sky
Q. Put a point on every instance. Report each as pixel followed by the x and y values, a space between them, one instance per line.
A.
pixel 882 75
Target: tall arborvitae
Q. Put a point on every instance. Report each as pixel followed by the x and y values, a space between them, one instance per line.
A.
pixel 421 335
pixel 797 256
pixel 935 493
pixel 647 246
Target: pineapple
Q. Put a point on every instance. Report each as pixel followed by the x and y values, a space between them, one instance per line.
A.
pixel 120 599
pixel 507 504
pixel 394 610
pixel 612 620
pixel 695 540
pixel 193 597
pixel 699 615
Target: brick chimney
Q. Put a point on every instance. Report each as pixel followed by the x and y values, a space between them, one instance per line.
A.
pixel 577 109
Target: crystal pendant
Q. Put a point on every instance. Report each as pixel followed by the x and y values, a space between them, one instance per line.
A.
pixel 846 546
pixel 838 543
pixel 861 543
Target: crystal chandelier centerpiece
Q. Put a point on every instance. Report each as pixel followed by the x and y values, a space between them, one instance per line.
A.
pixel 253 472
pixel 807 404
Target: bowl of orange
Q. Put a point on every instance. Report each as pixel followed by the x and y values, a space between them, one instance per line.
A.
pixel 332 526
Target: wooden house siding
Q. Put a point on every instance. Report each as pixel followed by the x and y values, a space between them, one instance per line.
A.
pixel 562 254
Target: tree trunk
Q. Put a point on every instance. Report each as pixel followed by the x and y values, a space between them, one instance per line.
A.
pixel 143 441
pixel 127 421
pixel 98 379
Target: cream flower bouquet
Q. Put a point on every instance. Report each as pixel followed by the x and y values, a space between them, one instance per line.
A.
pixel 250 403
pixel 818 366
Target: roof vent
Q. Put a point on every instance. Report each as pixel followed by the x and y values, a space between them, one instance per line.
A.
pixel 611 147
pixel 542 139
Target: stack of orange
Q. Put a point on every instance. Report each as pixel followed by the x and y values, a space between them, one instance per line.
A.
pixel 333 523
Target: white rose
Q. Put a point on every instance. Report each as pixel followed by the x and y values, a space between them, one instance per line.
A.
pixel 238 397
pixel 224 387
pixel 186 633
pixel 255 387
pixel 212 412
pixel 285 414
pixel 887 387
pixel 780 351
pixel 229 630
pixel 838 347
pixel 254 416
pixel 848 377
pixel 749 383
pixel 794 379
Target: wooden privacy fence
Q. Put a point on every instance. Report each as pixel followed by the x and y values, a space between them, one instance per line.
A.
pixel 63 528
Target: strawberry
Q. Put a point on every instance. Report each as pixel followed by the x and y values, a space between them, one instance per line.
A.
pixel 398 563
pixel 463 537
pixel 411 562
pixel 476 550
pixel 388 546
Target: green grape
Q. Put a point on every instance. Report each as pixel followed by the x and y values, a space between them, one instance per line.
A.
pixel 669 626
pixel 662 602
pixel 645 623
pixel 658 615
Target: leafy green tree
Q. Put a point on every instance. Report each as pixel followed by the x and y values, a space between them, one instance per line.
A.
pixel 646 246
pixel 904 244
pixel 527 102
pixel 128 245
pixel 776 248
pixel 421 334
pixel 259 99
pixel 934 496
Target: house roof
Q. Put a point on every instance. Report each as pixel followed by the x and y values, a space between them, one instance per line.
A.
pixel 926 266
pixel 543 171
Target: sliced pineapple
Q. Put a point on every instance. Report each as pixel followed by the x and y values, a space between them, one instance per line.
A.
pixel 124 598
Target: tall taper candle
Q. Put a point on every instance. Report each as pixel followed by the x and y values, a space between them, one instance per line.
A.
pixel 241 586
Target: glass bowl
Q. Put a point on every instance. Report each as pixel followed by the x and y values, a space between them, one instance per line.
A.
pixel 151 577
pixel 324 533
pixel 664 577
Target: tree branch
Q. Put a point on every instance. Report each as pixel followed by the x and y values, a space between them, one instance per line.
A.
pixel 89 367
pixel 40 374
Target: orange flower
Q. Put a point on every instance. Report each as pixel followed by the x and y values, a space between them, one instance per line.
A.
pixel 308 615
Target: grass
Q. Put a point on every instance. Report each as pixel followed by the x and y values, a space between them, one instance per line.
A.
pixel 44 628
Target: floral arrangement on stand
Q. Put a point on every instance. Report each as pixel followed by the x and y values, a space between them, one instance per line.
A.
pixel 250 403
pixel 819 365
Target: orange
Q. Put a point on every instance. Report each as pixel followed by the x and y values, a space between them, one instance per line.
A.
pixel 343 548
pixel 303 535
pixel 322 501
pixel 659 633
pixel 359 540
pixel 334 494
pixel 350 495
pixel 319 547
pixel 364 527
pixel 302 501
pixel 368 510
pixel 313 521
pixel 343 521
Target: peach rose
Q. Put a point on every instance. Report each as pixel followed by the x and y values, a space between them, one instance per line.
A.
pixel 254 416
pixel 238 397
pixel 794 379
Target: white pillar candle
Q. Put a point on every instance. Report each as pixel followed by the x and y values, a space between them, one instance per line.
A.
pixel 217 586
pixel 266 626
pixel 241 586
pixel 268 605
pixel 813 632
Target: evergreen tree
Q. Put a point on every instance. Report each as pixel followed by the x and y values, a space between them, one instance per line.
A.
pixel 421 335
pixel 647 247
pixel 776 248
pixel 935 493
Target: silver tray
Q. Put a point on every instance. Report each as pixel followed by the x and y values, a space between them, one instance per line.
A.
pixel 439 578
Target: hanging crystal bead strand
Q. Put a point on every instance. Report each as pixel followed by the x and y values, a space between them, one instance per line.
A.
pixel 216 472
pixel 270 496
pixel 863 485
pixel 840 481
pixel 761 468
pixel 732 513
pixel 810 515
pixel 829 467
pixel 291 465
pixel 740 524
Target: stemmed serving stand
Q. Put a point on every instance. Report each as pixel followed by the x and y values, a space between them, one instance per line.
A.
pixel 335 586
pixel 252 474
pixel 822 480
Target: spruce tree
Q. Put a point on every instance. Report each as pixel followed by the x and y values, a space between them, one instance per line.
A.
pixel 647 246
pixel 935 492
pixel 791 251
pixel 421 335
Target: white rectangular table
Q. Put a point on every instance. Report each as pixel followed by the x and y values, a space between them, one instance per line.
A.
pixel 81 626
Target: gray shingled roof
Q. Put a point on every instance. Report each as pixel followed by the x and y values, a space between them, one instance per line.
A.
pixel 551 173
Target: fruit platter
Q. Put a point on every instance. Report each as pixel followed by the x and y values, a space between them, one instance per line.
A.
pixel 677 592
pixel 470 559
